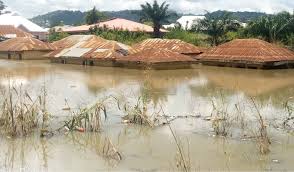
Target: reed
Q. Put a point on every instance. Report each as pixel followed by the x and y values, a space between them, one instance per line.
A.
pixel 138 113
pixel 89 118
pixel 263 139
pixel 19 111
pixel 183 160
pixel 96 142
pixel 289 107
pixel 221 122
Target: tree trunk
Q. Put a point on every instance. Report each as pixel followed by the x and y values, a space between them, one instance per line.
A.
pixel 156 31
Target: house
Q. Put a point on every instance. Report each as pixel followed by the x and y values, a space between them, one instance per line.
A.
pixel 115 23
pixel 24 48
pixel 186 22
pixel 9 31
pixel 174 45
pixel 248 53
pixel 24 24
pixel 155 58
pixel 88 50
pixel 60 28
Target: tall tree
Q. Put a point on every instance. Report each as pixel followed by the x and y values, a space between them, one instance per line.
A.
pixel 2 7
pixel 94 16
pixel 216 27
pixel 157 14
pixel 273 28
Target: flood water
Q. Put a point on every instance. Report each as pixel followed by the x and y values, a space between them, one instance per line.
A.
pixel 193 92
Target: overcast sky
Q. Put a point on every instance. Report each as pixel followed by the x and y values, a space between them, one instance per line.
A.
pixel 29 8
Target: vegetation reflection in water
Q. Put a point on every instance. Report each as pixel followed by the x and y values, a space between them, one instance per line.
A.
pixel 204 107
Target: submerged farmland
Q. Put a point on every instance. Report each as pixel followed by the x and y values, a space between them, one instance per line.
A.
pixel 102 118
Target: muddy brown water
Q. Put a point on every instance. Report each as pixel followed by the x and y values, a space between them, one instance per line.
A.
pixel 178 92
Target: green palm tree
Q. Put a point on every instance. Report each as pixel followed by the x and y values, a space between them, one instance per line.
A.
pixel 157 14
pixel 216 27
pixel 273 27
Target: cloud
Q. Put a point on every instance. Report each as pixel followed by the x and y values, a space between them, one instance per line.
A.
pixel 31 8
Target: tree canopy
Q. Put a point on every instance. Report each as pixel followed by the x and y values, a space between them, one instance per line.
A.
pixel 2 7
pixel 272 28
pixel 157 14
pixel 216 27
pixel 94 16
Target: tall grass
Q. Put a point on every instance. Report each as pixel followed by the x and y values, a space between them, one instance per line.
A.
pixel 221 119
pixel 119 35
pixel 183 160
pixel 262 136
pixel 97 143
pixel 138 113
pixel 289 107
pixel 188 36
pixel 89 118
pixel 19 111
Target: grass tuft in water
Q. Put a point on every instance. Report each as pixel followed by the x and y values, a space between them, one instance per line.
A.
pixel 19 111
pixel 263 139
pixel 139 113
pixel 88 119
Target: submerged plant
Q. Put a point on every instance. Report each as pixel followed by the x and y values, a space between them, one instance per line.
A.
pixel 109 151
pixel 183 160
pixel 262 135
pixel 220 119
pixel 290 117
pixel 138 114
pixel 99 144
pixel 19 111
pixel 88 119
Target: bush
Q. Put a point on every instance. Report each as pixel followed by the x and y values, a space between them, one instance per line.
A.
pixel 289 41
pixel 56 36
pixel 187 36
pixel 119 35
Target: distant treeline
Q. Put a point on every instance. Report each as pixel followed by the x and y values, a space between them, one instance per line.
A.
pixel 77 17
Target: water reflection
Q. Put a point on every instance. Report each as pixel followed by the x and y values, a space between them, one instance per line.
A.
pixel 251 82
pixel 24 154
pixel 180 92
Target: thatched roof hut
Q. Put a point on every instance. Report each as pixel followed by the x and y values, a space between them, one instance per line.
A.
pixel 248 53
pixel 24 48
pixel 174 45
pixel 156 58
pixel 88 50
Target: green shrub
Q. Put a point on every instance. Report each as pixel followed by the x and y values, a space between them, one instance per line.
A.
pixel 56 36
pixel 187 36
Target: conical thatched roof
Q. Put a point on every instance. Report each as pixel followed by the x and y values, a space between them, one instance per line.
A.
pixel 25 44
pixel 248 50
pixel 174 45
pixel 155 55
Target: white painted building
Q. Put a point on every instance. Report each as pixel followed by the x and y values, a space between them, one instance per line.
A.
pixel 24 24
pixel 186 22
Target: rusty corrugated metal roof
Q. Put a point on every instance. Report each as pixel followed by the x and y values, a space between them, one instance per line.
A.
pixel 10 31
pixel 174 45
pixel 156 55
pixel 89 46
pixel 115 23
pixel 251 50
pixel 86 40
pixel 25 44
